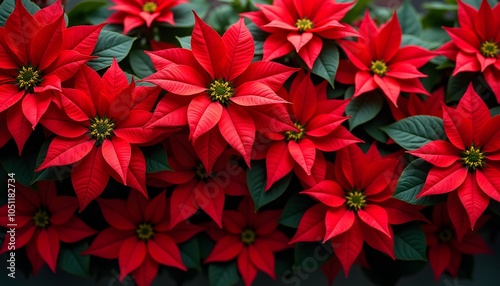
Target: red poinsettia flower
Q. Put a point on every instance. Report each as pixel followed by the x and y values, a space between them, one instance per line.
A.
pixel 37 53
pixel 214 88
pixel 250 237
pixel 318 122
pixel 416 105
pixel 194 187
pixel 43 220
pixel 475 45
pixel 445 249
pixel 135 13
pixel 356 206
pixel 376 61
pixel 300 25
pixel 99 134
pixel 467 165
pixel 139 236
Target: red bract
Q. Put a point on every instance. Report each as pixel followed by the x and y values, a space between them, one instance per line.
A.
pixel 135 13
pixel 214 88
pixel 99 134
pixel 445 249
pixel 467 165
pixel 139 236
pixel 4 129
pixel 194 187
pixel 37 53
pixel 251 238
pixel 43 220
pixel 475 45
pixel 318 122
pixel 376 61
pixel 415 105
pixel 356 206
pixel 300 25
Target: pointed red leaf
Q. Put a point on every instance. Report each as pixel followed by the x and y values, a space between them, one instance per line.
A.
pixel 279 163
pixel 239 49
pixel 439 153
pixel 304 153
pixel 18 126
pixel 347 246
pixel 262 259
pixel 164 250
pixel 113 212
pixel 312 225
pixel 247 270
pixel 338 221
pixel 117 153
pixel 254 94
pixel 203 115
pixel 209 147
pixel 48 246
pixel 48 44
pixel 132 254
pixel 179 79
pixel 237 127
pixel 474 200
pixel 443 180
pixel 375 217
pixel 208 48
pixel 65 151
pixel 227 248
pixel 210 197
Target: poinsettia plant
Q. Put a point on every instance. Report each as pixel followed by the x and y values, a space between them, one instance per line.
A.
pixel 250 142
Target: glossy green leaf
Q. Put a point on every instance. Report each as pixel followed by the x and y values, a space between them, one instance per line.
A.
pixel 256 180
pixel 363 108
pixel 409 19
pixel 156 159
pixel 71 261
pixel 141 63
pixel 409 242
pixel 412 181
pixel 223 274
pixel 294 208
pixel 416 131
pixel 327 63
pixel 190 252
pixel 110 45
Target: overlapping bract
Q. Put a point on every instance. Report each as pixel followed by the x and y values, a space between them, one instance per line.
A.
pixel 475 45
pixel 300 26
pixel 215 88
pixel 467 164
pixel 376 61
pixel 37 54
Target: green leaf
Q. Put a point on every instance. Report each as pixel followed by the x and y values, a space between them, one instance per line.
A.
pixel 223 274
pixel 256 180
pixel 51 173
pixel 156 159
pixel 327 63
pixel 141 63
pixel 439 6
pixel 7 7
pixel 110 45
pixel 80 12
pixel 183 15
pixel 416 131
pixel 412 181
pixel 359 7
pixel 363 108
pixel 294 208
pixel 23 166
pixel 409 242
pixel 373 129
pixel 185 42
pixel 495 111
pixel 71 261
pixel 190 252
pixel 457 85
pixel 409 19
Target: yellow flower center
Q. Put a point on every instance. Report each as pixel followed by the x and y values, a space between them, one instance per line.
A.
pixel 304 24
pixel 445 235
pixel 41 219
pixel 220 91
pixel 489 49
pixel 149 7
pixel 248 236
pixel 144 231
pixel 201 173
pixel 294 135
pixel 473 158
pixel 355 200
pixel 101 128
pixel 28 78
pixel 378 67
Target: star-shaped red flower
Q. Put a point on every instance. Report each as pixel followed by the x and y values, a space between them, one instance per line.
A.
pixel 214 89
pixel 300 25
pixel 43 220
pixel 194 187
pixel 475 45
pixel 444 248
pixel 356 206
pixel 250 237
pixel 140 237
pixel 37 54
pixel 467 165
pixel 136 13
pixel 376 61
pixel 101 130
pixel 318 121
